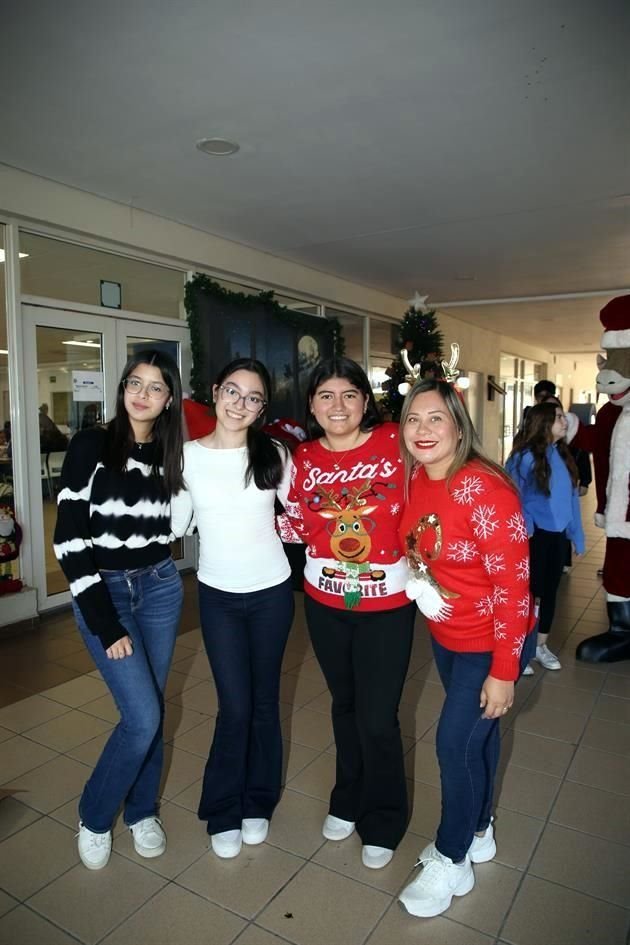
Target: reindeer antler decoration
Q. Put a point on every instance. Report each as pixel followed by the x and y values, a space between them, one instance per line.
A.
pixel 413 371
pixel 450 368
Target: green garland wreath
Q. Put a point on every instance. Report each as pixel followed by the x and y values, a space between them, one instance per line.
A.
pixel 300 320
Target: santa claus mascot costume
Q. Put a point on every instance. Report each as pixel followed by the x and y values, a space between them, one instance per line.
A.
pixel 609 442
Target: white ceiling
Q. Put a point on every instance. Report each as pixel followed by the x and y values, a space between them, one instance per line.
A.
pixel 469 149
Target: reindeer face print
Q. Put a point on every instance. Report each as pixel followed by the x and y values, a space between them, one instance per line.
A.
pixel 349 527
pixel 350 540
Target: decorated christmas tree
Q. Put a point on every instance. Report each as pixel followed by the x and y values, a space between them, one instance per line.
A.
pixel 420 336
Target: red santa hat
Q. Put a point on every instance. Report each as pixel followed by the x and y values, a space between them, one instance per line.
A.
pixel 615 317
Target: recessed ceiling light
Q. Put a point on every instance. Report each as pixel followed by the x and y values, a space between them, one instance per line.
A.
pixel 217 147
pixel 2 255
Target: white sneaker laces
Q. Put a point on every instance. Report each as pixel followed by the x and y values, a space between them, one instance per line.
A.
pixel 432 871
pixel 95 839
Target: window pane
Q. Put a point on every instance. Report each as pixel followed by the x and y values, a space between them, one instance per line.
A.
pixel 352 330
pixel 58 270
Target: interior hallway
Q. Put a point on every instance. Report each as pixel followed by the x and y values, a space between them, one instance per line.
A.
pixel 562 820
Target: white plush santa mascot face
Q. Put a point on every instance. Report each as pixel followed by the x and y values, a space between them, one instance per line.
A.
pixel 613 378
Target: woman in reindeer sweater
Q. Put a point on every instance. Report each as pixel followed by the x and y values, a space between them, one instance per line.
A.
pixel 345 502
pixel 466 544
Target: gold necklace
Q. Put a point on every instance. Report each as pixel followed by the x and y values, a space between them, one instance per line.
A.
pixel 337 463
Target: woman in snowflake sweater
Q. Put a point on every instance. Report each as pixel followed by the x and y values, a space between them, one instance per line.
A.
pixel 466 545
pixel 345 502
pixel 542 467
pixel 112 541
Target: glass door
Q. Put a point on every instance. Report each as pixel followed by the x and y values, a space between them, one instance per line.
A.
pixel 74 360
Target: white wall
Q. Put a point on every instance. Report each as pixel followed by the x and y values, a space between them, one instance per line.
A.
pixel 575 374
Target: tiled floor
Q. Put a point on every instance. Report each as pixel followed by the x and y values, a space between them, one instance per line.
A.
pixel 562 822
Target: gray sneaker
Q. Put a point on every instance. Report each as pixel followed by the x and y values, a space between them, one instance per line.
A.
pixel 546 658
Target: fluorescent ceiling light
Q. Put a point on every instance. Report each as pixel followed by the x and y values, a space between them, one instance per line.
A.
pixel 82 344
pixel 2 255
pixel 3 351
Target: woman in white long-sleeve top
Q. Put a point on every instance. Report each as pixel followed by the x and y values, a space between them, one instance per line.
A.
pixel 233 476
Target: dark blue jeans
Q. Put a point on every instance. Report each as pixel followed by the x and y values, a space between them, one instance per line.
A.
pixel 245 636
pixel 149 603
pixel 468 749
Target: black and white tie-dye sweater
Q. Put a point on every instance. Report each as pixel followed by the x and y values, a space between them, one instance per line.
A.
pixel 108 521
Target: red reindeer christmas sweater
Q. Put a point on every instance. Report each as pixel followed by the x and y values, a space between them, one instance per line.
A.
pixel 346 507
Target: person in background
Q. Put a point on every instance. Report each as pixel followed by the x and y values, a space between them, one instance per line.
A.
pixel 233 476
pixel 466 545
pixel 543 469
pixel 112 541
pixel 345 502
pixel 51 439
pixel 585 477
pixel 7 438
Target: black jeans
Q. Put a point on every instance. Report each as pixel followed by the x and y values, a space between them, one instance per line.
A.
pixel 245 636
pixel 547 553
pixel 365 657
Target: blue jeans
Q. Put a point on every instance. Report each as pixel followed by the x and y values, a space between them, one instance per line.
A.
pixel 245 636
pixel 468 749
pixel 148 602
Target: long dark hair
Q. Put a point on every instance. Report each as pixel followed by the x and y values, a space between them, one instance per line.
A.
pixel 347 370
pixel 266 456
pixel 469 448
pixel 536 436
pixel 167 430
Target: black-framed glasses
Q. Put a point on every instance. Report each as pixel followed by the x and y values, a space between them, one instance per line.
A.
pixel 153 389
pixel 251 402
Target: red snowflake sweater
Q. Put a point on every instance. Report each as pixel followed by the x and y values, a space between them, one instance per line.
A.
pixel 346 507
pixel 469 540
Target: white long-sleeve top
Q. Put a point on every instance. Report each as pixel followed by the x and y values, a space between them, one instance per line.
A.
pixel 239 548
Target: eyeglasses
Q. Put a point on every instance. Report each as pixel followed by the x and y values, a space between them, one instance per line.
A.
pixel 251 402
pixel 153 389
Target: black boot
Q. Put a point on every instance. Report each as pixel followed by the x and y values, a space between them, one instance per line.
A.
pixel 614 645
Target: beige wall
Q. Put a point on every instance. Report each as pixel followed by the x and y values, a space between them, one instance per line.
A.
pixel 25 197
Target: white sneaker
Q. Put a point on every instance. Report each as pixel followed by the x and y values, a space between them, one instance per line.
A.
pixel 254 830
pixel 375 858
pixel 483 849
pixel 546 658
pixel 432 891
pixel 337 829
pixel 528 671
pixel 149 838
pixel 94 848
pixel 227 844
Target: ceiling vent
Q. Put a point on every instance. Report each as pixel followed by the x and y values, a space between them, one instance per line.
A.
pixel 217 147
